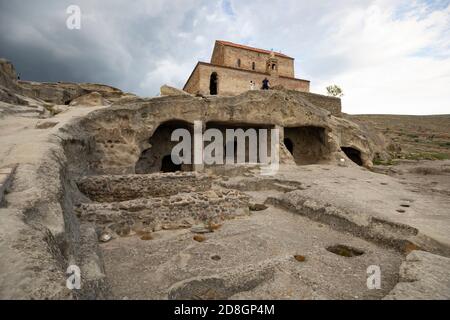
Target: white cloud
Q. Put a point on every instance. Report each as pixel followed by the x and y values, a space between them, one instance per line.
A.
pixel 397 64
pixel 165 71
pixel 389 56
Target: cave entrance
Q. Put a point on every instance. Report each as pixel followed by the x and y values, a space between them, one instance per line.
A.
pixel 247 144
pixel 157 158
pixel 167 164
pixel 289 145
pixel 307 144
pixel 353 154
pixel 214 84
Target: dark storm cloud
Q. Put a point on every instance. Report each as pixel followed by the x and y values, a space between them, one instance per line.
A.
pixel 135 45
pixel 365 46
pixel 118 44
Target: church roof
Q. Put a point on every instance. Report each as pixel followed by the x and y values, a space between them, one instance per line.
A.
pixel 240 46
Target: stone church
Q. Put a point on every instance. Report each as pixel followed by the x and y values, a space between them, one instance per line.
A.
pixel 236 68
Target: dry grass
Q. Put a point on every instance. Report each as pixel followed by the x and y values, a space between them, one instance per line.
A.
pixel 420 137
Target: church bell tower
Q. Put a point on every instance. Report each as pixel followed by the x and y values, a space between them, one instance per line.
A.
pixel 272 65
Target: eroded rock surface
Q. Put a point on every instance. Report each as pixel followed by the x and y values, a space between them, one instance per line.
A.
pixel 109 188
pixel 93 188
pixel 171 91
pixel 89 100
pixel 423 276
pixel 184 208
pixel 130 129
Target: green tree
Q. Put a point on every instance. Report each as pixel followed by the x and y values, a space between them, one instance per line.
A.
pixel 335 91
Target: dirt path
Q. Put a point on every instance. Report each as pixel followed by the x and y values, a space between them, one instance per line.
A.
pixel 22 142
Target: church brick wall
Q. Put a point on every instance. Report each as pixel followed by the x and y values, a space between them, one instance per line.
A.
pixel 233 82
pixel 231 56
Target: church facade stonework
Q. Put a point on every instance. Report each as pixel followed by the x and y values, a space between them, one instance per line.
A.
pixel 233 69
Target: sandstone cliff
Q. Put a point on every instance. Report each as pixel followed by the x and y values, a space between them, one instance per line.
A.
pixel 74 185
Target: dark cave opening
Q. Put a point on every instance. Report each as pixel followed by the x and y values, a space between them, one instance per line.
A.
pixel 307 144
pixel 167 164
pixel 289 145
pixel 353 154
pixel 158 157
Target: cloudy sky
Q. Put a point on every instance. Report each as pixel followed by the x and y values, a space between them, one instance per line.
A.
pixel 389 56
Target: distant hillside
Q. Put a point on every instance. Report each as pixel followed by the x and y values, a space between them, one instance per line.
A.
pixel 420 137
